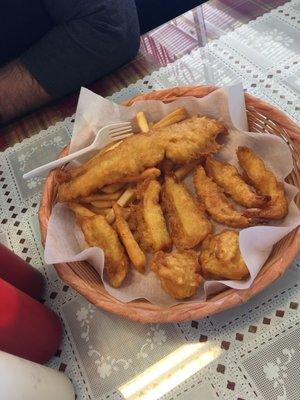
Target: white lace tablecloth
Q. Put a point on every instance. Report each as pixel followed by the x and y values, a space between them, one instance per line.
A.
pixel 250 352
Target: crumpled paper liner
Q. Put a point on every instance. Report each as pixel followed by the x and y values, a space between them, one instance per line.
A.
pixel 65 241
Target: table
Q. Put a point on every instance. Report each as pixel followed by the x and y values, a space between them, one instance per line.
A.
pixel 250 352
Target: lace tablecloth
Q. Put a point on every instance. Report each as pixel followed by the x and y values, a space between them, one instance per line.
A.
pixel 250 352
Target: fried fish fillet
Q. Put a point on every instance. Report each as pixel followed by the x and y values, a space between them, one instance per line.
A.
pixel 220 257
pixel 266 183
pixel 216 203
pixel 228 178
pixel 181 143
pixel 178 272
pixel 186 217
pixel 99 233
pixel 151 225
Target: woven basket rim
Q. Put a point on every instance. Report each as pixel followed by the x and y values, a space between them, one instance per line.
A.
pixel 142 310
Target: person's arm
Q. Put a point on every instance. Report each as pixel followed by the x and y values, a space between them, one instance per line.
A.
pixel 19 91
pixel 90 39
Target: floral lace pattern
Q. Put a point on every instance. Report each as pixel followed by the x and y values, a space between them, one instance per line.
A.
pixel 276 371
pixel 107 365
pixel 111 356
pixel 259 341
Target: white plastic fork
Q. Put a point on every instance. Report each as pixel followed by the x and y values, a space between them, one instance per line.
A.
pixel 106 135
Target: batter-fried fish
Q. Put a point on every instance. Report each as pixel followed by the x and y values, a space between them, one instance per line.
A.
pixel 181 143
pixel 266 183
pixel 151 225
pixel 99 233
pixel 178 272
pixel 228 178
pixel 216 203
pixel 220 257
pixel 186 217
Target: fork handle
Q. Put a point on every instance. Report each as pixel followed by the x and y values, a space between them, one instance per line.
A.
pixel 56 163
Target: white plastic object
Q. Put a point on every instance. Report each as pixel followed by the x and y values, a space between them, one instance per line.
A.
pixel 106 135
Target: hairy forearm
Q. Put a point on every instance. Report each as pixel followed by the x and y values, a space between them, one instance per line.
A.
pixel 19 91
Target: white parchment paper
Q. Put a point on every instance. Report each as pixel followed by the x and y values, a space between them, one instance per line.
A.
pixel 65 241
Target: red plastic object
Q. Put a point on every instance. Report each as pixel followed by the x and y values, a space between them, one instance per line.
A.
pixel 27 328
pixel 17 272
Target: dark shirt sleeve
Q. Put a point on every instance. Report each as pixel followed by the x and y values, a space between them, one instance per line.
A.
pixel 90 39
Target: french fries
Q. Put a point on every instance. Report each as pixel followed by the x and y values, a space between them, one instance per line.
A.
pixel 98 211
pixel 100 197
pixel 113 188
pixel 175 116
pixel 134 251
pixel 142 122
pixel 80 211
pixel 102 203
pixel 149 173
pixel 125 199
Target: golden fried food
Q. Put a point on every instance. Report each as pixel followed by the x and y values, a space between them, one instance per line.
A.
pixel 149 173
pixel 99 233
pixel 123 201
pixel 178 272
pixel 186 141
pixel 66 175
pixel 134 251
pixel 228 178
pixel 100 197
pixel 80 211
pixel 175 116
pixel 186 217
pixel 220 257
pixel 96 210
pixel 185 170
pixel 113 188
pixel 102 203
pixel 151 224
pixel 181 143
pixel 266 183
pixel 142 122
pixel 216 203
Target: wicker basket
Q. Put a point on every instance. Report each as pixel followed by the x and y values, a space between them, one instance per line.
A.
pixel 262 117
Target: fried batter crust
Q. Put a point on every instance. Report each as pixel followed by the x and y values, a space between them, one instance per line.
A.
pixel 181 143
pixel 186 217
pixel 178 272
pixel 220 257
pixel 216 203
pixel 151 225
pixel 99 233
pixel 266 183
pixel 228 178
